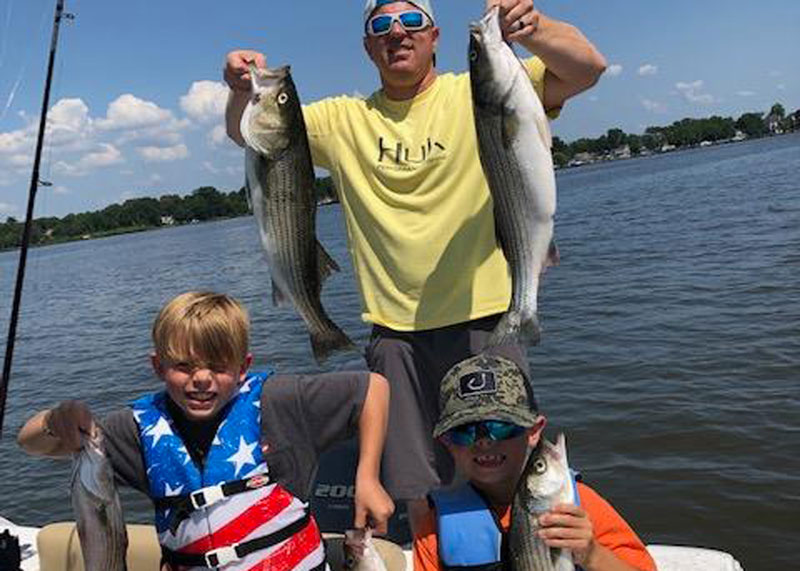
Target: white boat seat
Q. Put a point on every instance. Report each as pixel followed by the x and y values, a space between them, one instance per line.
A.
pixel 677 558
pixel 59 549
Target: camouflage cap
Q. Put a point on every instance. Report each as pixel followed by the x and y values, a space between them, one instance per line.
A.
pixel 485 387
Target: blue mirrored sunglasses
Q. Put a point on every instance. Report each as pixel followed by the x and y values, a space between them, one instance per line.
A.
pixel 411 20
pixel 468 434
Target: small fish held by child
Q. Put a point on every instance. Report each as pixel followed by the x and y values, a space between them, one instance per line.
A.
pixel 360 552
pixel 545 482
pixel 97 507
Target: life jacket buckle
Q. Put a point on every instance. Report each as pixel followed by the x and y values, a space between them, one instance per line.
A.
pixel 222 556
pixel 206 496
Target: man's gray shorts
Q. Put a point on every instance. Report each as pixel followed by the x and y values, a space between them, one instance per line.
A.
pixel 414 363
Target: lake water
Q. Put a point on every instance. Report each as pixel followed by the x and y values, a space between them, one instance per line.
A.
pixel 670 356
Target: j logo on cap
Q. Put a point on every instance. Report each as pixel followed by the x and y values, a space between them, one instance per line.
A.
pixel 477 383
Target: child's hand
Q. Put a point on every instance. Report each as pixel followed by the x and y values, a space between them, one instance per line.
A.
pixel 373 506
pixel 568 526
pixel 66 422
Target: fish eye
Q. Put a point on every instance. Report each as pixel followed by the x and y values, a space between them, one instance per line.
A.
pixel 540 466
pixel 282 98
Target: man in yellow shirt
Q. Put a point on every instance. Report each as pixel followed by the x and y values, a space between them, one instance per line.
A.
pixel 431 276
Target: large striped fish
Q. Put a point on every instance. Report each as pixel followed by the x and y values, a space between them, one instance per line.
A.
pixel 97 508
pixel 514 146
pixel 280 180
pixel 545 482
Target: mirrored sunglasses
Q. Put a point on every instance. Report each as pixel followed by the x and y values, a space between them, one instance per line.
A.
pixel 497 430
pixel 410 20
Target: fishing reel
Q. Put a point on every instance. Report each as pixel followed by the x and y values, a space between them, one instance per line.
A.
pixel 10 554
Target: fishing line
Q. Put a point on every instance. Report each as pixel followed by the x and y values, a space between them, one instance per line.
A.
pixel 5 33
pixel 26 59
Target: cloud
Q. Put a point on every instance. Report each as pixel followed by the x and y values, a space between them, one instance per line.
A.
pixel 15 141
pixel 781 86
pixel 613 70
pixel 218 136
pixel 692 92
pixel 745 93
pixel 129 112
pixel 164 154
pixel 647 69
pixel 7 209
pixel 653 106
pixel 104 155
pixel 205 101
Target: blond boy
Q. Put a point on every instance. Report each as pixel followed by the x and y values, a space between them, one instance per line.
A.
pixel 228 456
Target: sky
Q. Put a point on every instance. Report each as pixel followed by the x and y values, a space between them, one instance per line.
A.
pixel 137 101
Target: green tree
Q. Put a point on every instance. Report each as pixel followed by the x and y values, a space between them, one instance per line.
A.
pixel 778 111
pixel 751 124
pixel 616 138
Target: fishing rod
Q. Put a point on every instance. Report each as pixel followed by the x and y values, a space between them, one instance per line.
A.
pixel 26 234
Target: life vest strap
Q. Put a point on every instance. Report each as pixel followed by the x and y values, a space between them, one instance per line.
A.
pixel 182 506
pixel 230 553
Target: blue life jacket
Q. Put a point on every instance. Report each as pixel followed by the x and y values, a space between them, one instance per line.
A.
pixel 235 453
pixel 204 514
pixel 469 536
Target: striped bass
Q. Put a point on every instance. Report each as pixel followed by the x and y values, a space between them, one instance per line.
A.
pixel 514 147
pixel 98 511
pixel 545 482
pixel 280 180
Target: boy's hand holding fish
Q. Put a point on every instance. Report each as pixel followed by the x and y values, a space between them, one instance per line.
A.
pixel 373 506
pixel 57 431
pixel 568 526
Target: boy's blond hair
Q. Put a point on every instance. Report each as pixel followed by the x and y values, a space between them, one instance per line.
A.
pixel 202 328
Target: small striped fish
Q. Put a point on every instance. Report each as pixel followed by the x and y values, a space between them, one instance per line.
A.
pixel 97 508
pixel 545 482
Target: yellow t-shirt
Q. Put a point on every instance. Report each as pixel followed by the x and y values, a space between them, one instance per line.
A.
pixel 417 207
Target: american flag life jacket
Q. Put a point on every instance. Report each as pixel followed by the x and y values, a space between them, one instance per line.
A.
pixel 229 510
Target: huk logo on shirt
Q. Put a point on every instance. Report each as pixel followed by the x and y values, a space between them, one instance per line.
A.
pixel 478 383
pixel 398 156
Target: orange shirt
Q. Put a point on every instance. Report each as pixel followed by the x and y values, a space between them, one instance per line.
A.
pixel 610 529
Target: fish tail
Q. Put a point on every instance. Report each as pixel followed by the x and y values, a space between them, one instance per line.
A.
pixel 506 332
pixel 514 325
pixel 531 329
pixel 329 340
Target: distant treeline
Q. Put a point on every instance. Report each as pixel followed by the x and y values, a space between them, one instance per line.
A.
pixel 205 203
pixel 683 133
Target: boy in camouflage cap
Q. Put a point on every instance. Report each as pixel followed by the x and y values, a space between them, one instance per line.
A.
pixel 489 423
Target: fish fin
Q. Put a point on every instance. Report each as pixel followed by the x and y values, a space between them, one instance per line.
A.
pixel 553 256
pixel 328 341
pixel 510 128
pixel 279 299
pixel 327 265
